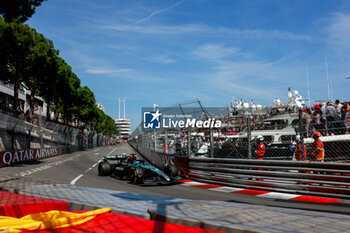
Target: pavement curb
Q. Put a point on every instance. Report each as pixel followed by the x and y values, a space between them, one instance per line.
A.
pixel 240 217
pixel 265 194
pixel 196 223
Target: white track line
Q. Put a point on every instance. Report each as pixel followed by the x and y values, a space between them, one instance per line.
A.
pixel 87 170
pixel 192 183
pixel 285 196
pixel 226 189
pixel 76 179
pixel 46 166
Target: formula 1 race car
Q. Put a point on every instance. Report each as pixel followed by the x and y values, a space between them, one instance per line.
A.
pixel 137 171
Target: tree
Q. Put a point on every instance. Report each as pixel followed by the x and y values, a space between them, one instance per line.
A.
pixel 59 86
pixel 15 48
pixel 43 70
pixel 20 10
pixel 96 116
pixel 85 104
pixel 70 97
pixel 27 57
pixel 65 96
pixel 106 125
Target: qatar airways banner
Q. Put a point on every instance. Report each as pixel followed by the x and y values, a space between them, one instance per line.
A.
pixel 20 156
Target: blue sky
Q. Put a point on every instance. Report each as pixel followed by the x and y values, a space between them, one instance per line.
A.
pixel 166 52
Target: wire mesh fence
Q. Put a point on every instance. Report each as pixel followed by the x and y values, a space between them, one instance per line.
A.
pixel 286 134
pixel 17 134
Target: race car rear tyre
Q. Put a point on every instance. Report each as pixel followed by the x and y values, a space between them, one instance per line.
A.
pixel 136 175
pixel 120 172
pixel 104 169
pixel 171 170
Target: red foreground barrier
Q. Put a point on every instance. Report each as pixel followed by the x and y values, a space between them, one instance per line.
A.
pixel 112 222
pixel 19 205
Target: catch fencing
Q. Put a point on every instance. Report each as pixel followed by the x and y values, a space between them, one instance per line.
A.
pixel 328 179
pixel 238 136
pixel 228 155
pixel 17 134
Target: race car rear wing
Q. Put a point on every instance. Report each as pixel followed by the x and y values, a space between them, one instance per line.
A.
pixel 114 157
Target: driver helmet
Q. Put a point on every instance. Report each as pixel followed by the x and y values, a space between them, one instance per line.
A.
pixel 124 155
pixel 260 138
pixel 137 163
pixel 297 138
pixel 132 157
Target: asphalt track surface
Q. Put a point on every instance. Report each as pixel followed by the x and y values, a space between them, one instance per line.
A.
pixel 80 169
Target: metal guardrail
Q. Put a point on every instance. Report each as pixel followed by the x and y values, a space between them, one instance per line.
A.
pixel 162 159
pixel 329 179
pixel 314 178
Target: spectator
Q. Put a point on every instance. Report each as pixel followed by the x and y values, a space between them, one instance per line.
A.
pixel 10 109
pixel 316 118
pixel 347 116
pixel 338 106
pixel 2 107
pixel 307 119
pixel 344 118
pixel 19 112
pixel 338 122
pixel 330 114
pixel 28 116
pixel 323 118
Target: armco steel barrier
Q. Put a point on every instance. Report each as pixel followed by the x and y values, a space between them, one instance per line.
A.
pixel 161 159
pixel 315 178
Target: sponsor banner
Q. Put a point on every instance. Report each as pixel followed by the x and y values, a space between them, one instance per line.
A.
pixel 8 158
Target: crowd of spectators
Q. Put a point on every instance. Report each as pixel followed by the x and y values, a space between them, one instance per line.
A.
pixel 18 112
pixel 10 110
pixel 328 119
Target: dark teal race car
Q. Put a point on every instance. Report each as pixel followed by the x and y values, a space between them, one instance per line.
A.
pixel 137 171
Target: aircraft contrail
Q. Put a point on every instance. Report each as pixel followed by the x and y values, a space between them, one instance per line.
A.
pixel 157 12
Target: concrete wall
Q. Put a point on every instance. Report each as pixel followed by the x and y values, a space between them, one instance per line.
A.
pixel 16 134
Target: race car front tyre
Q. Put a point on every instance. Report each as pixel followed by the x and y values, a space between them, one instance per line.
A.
pixel 171 170
pixel 136 175
pixel 104 169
